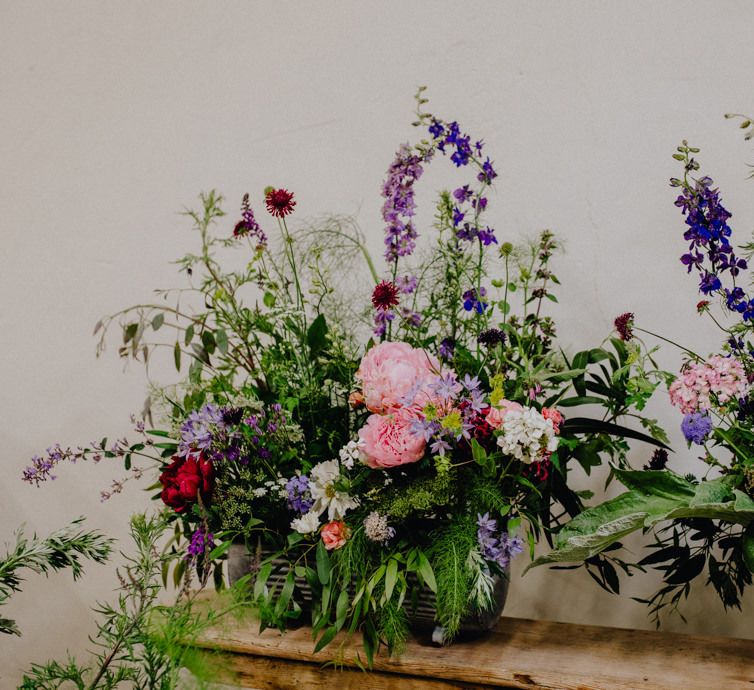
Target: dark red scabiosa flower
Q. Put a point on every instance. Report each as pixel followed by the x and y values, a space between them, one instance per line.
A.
pixel 279 202
pixel 385 295
pixel 185 480
pixel 701 307
pixel 624 325
pixel 540 469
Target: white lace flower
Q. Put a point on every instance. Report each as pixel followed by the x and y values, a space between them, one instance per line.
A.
pixel 527 435
pixel 350 453
pixel 259 492
pixel 306 524
pixel 322 480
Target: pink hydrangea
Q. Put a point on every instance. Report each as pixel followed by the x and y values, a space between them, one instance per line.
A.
pixel 723 377
pixel 394 375
pixel 389 440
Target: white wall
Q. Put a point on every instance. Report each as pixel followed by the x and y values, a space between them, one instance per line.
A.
pixel 115 115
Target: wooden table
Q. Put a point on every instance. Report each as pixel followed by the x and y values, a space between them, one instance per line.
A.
pixel 524 654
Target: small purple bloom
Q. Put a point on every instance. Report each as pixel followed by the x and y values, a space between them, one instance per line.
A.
pixel 696 427
pixel 299 497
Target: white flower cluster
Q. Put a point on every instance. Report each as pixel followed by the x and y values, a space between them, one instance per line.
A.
pixel 527 435
pixel 306 524
pixel 350 453
pixel 276 485
pixel 376 527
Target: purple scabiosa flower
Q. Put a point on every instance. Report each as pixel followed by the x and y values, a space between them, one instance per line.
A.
pixel 299 497
pixel 696 427
pixel 473 300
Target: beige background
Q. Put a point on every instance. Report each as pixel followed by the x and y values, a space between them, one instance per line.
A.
pixel 115 115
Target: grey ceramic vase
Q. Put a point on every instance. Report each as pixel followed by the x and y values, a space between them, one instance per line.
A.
pixel 242 562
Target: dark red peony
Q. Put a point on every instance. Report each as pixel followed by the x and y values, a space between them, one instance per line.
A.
pixel 184 479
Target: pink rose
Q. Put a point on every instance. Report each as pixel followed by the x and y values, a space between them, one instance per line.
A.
pixel 393 375
pixel 389 441
pixel 496 414
pixel 335 534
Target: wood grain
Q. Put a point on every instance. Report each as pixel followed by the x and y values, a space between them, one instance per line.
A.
pixel 522 654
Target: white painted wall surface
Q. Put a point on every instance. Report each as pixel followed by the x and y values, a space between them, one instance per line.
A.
pixel 113 116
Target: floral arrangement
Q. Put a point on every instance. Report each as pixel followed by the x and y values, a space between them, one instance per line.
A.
pixel 704 523
pixel 420 457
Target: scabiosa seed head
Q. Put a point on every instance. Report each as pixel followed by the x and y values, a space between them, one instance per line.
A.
pixel 492 337
pixel 658 461
pixel 624 324
pixel 385 295
pixel 279 202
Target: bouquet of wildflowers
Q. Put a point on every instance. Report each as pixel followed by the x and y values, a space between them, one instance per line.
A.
pixel 704 523
pixel 416 442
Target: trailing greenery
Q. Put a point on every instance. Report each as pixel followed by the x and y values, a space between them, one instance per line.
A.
pixel 64 548
pixel 140 642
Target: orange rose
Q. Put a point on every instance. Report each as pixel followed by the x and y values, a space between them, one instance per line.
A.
pixel 334 534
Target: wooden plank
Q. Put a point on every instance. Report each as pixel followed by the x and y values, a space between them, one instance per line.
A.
pixel 522 654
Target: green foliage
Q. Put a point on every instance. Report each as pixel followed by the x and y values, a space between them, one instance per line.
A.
pixel 139 641
pixel 64 548
pixel 449 556
pixel 417 496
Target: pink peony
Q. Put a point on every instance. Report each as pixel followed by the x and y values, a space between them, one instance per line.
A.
pixel 395 375
pixel 496 414
pixel 335 534
pixel 389 441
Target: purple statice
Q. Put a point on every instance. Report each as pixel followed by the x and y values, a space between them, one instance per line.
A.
pixel 248 224
pixel 382 318
pixel 446 349
pixel 198 429
pixel 473 300
pixel 710 252
pixel 41 468
pixel 407 284
pixel 201 542
pixel 400 204
pixel 496 546
pixel 696 427
pixel 299 496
